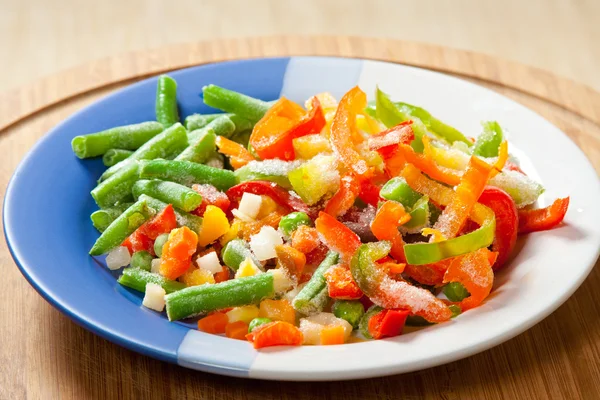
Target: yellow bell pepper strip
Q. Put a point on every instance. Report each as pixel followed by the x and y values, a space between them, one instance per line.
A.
pixel 428 253
pixel 467 192
pixel 389 293
pixel 238 155
pixel 337 236
pixel 343 128
pixel 474 272
pixel 430 167
pixel 385 225
pixel 544 218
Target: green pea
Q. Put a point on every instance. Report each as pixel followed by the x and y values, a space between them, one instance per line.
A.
pixel 159 243
pixel 292 221
pixel 256 322
pixel 455 291
pixel 142 260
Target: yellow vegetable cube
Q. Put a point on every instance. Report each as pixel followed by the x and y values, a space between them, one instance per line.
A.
pixel 245 313
pixel 197 276
pixel 247 268
pixel 214 225
pixel 232 233
pixel 277 310
pixel 267 206
pixel 308 146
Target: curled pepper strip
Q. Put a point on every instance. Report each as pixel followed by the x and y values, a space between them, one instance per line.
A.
pixel 475 273
pixel 389 293
pixel 502 159
pixel 429 166
pixel 543 218
pixel 385 225
pixel 337 235
pixel 343 129
pixel 401 133
pixel 428 253
pixel 274 191
pixel 344 198
pixel 238 155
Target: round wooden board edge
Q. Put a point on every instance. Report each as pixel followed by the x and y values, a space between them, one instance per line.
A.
pixel 23 102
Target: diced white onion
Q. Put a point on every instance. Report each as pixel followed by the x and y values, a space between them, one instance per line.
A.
pixel 118 258
pixel 154 298
pixel 263 243
pixel 281 281
pixel 250 204
pixel 240 215
pixel 210 262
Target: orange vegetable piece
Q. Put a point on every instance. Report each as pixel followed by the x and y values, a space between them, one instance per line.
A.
pixel 332 335
pixel 543 218
pixel 290 259
pixel 177 252
pixel 277 333
pixel 305 239
pixel 385 226
pixel 277 310
pixel 394 160
pixel 474 272
pixel 340 283
pixel 401 133
pixel 428 166
pixel 236 330
pixel 344 198
pixel 163 222
pixel 213 323
pixel 252 228
pixel 337 235
pixel 237 153
pixel 222 276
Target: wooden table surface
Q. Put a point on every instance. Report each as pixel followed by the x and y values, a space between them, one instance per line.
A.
pixel 44 355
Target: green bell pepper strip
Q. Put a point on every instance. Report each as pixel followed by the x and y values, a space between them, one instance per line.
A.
pixel 455 291
pixel 419 216
pixel 314 296
pixel 170 192
pixel 268 170
pixel 128 137
pixel 159 243
pixel 183 218
pixel 235 252
pixel 363 325
pixel 427 253
pixel 398 190
pixel 117 187
pixel 523 190
pixel 102 218
pixel 201 299
pixel 488 143
pixel 166 101
pixel 244 106
pixel 187 173
pixel 391 115
pixel 131 219
pixel 137 279
pixel 114 156
pixel 142 260
pixel 167 144
pixel 349 310
pixel 289 223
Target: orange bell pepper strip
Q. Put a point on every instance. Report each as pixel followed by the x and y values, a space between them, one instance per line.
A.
pixel 543 218
pixel 337 235
pixel 214 323
pixel 393 159
pixel 467 192
pixel 385 226
pixel 474 272
pixel 502 159
pixel 340 283
pixel 344 198
pixel 428 166
pixel 401 133
pixel 238 155
pixel 277 333
pixel 177 252
pixel 343 129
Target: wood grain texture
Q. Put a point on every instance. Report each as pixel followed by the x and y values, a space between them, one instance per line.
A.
pixel 43 355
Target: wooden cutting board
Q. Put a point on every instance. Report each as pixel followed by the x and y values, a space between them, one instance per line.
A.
pixel 45 355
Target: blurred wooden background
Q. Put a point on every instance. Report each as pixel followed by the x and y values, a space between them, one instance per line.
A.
pixel 41 37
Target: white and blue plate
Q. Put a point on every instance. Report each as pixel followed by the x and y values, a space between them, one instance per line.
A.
pixel 47 225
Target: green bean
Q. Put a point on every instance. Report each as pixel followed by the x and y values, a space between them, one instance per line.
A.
pixel 142 260
pixel 314 296
pixel 166 101
pixel 183 218
pixel 117 188
pixel 197 121
pixel 137 279
pixel 170 192
pixel 128 137
pixel 227 100
pixel 122 227
pixel 256 322
pixel 488 143
pixel 363 325
pixel 113 156
pixel 167 144
pixel 243 138
pixel 289 223
pixel 159 243
pixel 241 124
pixel 222 126
pixel 234 253
pixel 350 310
pixel 201 149
pixel 455 291
pixel 102 218
pixel 187 173
pixel 398 190
pixel 201 299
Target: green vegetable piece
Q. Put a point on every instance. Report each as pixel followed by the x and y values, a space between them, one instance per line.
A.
pixel 434 213
pixel 350 310
pixel 419 216
pixel 201 299
pixel 268 170
pixel 173 193
pixel 142 260
pixel 234 253
pixel 166 101
pixel 242 124
pixel 398 190
pixel 243 138
pixel 289 223
pixel 137 279
pixel 523 190
pixel 455 291
pixel 128 137
pixel 117 188
pixel 122 227
pixel 102 218
pixel 488 143
pixel 227 100
pixel 222 126
pixel 159 243
pixel 313 179
pixel 256 322
pixel 314 295
pixel 187 173
pixel 183 218
pixel 167 144
pixel 363 325
pixel 197 121
pixel 114 156
pixel 201 148
pixel 456 311
pixel 416 320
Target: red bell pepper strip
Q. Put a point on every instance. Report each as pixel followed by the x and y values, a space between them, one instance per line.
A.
pixel 210 196
pixel 474 272
pixel 387 323
pixel 312 122
pixel 385 227
pixel 337 235
pixel 343 129
pixel 507 222
pixel 543 218
pixel 393 159
pixel 137 241
pixel 344 198
pixel 369 193
pixel 274 191
pixel 340 283
pixel 143 237
pixel 401 133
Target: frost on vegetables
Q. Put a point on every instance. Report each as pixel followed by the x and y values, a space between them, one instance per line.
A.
pixel 288 225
